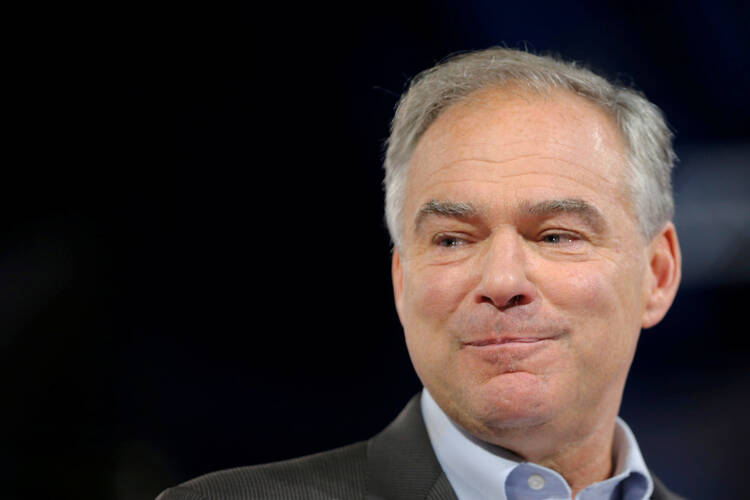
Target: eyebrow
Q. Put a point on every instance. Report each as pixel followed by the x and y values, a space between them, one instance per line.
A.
pixel 546 208
pixel 575 206
pixel 453 209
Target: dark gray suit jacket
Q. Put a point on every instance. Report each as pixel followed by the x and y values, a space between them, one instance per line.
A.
pixel 397 464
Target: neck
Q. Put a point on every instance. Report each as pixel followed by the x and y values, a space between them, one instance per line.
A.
pixel 583 462
pixel 583 456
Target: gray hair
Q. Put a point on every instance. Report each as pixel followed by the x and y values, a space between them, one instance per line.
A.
pixel 642 125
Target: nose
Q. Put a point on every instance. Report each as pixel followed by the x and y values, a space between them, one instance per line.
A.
pixel 504 282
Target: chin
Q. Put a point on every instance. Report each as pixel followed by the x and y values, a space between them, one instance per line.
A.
pixel 512 401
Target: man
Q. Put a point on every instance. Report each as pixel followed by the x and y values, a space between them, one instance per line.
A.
pixel 529 202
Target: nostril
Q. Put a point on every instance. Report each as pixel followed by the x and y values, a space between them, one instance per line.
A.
pixel 486 300
pixel 514 301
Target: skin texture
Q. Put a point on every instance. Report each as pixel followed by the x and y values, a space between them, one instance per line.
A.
pixel 522 281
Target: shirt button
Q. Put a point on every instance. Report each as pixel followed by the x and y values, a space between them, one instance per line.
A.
pixel 536 482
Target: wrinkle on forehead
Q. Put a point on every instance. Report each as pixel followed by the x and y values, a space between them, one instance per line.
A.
pixel 437 181
pixel 595 155
pixel 594 169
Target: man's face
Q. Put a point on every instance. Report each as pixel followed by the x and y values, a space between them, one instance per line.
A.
pixel 522 278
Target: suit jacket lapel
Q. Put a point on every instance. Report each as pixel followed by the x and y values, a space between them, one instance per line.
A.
pixel 442 489
pixel 401 462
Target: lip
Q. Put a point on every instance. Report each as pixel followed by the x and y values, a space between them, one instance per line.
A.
pixel 490 342
pixel 506 352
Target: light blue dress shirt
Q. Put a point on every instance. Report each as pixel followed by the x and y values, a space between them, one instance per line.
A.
pixel 479 470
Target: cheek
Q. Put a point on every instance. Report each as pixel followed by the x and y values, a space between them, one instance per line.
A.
pixel 604 288
pixel 599 305
pixel 434 293
pixel 581 290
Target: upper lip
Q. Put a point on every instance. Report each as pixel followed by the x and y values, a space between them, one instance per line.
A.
pixel 508 339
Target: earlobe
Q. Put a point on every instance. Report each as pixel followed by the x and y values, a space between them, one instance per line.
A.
pixel 397 276
pixel 664 274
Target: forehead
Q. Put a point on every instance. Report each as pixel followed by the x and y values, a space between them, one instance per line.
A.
pixel 510 142
pixel 499 124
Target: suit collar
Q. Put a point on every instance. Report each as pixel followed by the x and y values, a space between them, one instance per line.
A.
pixel 401 462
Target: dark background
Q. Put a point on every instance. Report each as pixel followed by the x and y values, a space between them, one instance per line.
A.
pixel 194 268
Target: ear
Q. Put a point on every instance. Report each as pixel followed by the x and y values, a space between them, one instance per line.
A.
pixel 397 276
pixel 663 275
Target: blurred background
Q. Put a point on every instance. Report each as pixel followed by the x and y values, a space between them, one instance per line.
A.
pixel 194 268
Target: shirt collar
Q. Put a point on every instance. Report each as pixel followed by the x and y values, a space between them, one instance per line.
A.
pixel 479 470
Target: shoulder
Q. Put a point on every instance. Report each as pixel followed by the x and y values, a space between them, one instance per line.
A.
pixel 339 473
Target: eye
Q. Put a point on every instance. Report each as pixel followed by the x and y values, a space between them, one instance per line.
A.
pixel 447 241
pixel 560 238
